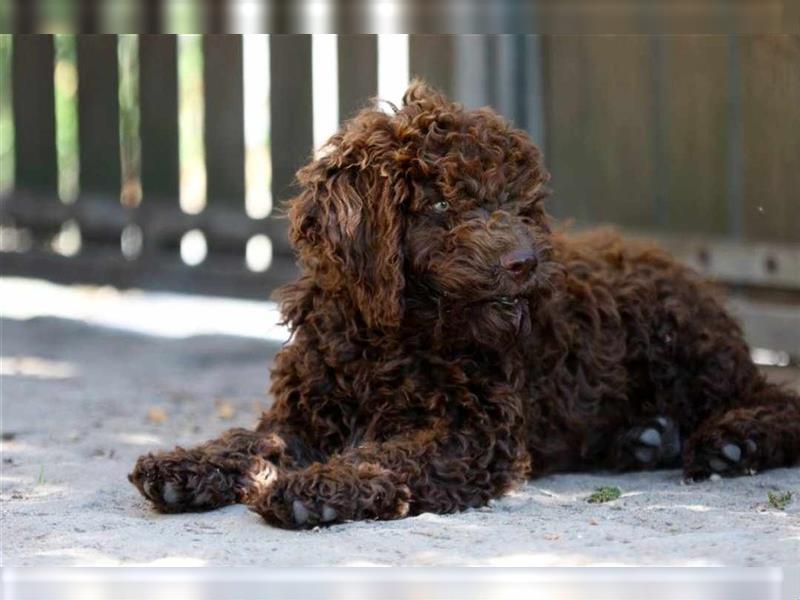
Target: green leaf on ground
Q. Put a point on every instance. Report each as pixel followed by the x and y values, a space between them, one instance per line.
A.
pixel 779 500
pixel 604 494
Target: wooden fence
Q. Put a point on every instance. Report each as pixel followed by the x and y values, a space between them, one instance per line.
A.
pixel 691 139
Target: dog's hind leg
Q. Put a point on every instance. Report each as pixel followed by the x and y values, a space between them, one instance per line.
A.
pixel 211 475
pixel 762 433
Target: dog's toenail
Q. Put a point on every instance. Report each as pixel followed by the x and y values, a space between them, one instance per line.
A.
pixel 170 493
pixel 751 446
pixel 718 464
pixel 328 513
pixel 650 437
pixel 732 452
pixel 644 455
pixel 147 487
pixel 715 477
pixel 662 421
pixel 300 512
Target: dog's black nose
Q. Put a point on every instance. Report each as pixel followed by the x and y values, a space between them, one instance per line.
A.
pixel 520 263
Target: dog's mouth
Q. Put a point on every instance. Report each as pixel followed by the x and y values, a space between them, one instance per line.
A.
pixel 506 301
pixel 513 309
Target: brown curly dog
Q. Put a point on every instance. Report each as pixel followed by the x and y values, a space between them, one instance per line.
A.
pixel 447 344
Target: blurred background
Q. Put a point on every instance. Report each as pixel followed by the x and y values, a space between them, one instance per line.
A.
pixel 160 162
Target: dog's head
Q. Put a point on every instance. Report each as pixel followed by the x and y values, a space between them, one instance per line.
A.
pixel 433 209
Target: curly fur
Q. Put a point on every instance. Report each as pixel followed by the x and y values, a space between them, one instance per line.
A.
pixel 426 374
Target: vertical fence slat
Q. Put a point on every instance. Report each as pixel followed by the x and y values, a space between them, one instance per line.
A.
pixel 508 78
pixel 358 72
pixel 24 16
pixel 533 89
pixel 89 16
pixel 98 115
pixel 431 57
pixel 34 113
pixel 600 137
pixel 291 110
pixel 771 135
pixel 694 122
pixel 224 118
pixel 153 17
pixel 158 97
pixel 216 15
pixel 471 70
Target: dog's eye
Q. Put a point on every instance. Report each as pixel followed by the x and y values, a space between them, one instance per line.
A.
pixel 440 206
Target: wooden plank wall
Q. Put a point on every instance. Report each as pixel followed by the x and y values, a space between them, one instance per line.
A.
pixel 678 136
pixel 770 80
pixel 691 134
pixel 601 126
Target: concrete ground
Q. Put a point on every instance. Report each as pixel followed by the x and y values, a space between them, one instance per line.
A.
pixel 81 402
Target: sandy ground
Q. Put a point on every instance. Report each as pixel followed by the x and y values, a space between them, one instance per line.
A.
pixel 83 402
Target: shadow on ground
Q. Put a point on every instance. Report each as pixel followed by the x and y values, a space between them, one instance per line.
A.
pixel 80 403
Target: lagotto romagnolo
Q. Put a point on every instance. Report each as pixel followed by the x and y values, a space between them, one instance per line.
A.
pixel 447 343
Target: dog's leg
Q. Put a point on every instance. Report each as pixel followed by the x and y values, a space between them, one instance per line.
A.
pixel 394 479
pixel 762 434
pixel 212 475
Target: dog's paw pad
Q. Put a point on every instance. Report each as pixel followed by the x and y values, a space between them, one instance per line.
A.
pixel 305 517
pixel 650 437
pixel 727 458
pixel 170 493
pixel 718 465
pixel 300 513
pixel 166 495
pixel 730 457
pixel 328 514
pixel 645 454
pixel 656 443
pixel 732 452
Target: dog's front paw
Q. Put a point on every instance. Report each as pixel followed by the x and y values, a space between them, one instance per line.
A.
pixel 179 482
pixel 323 496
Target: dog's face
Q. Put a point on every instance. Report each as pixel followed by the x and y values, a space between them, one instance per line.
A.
pixel 433 210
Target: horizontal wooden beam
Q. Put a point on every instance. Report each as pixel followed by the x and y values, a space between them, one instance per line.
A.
pixel 736 262
pixel 163 223
pixel 217 275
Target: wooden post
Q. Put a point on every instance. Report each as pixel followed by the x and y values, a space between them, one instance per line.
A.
pixel 291 110
pixel 224 119
pixel 358 72
pixel 34 114
pixel 431 58
pixel 158 93
pixel 98 115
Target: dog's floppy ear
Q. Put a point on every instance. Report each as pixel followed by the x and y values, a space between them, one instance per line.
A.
pixel 347 227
